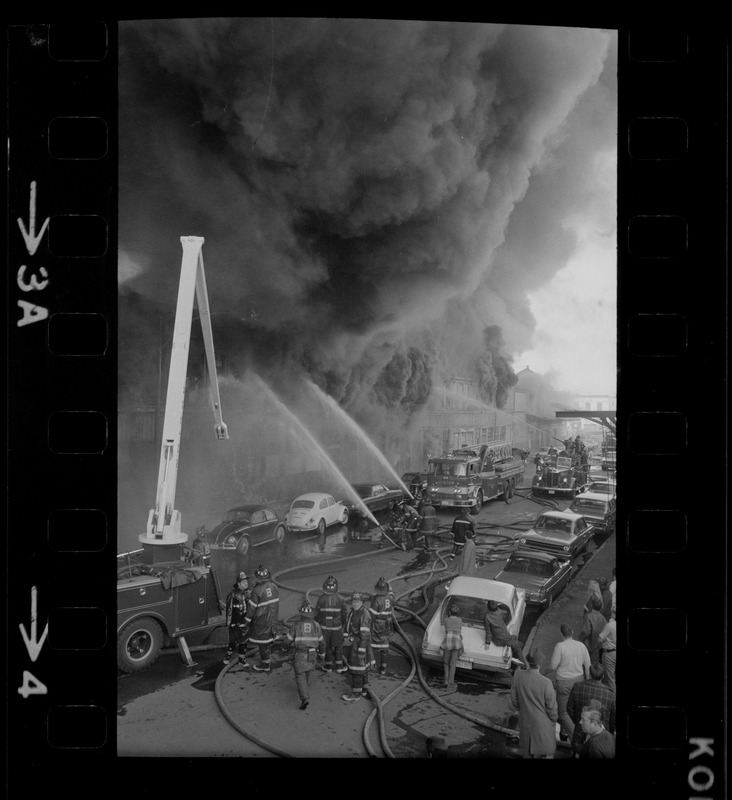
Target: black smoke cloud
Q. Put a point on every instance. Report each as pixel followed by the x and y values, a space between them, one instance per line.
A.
pixel 377 197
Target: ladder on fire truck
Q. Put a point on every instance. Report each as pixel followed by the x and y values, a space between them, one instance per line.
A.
pixel 164 524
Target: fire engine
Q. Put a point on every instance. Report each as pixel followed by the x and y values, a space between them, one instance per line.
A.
pixel 561 475
pixel 162 592
pixel 469 476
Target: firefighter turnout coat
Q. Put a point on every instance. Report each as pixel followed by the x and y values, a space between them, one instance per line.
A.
pixel 330 612
pixel 307 637
pixel 382 620
pixel 263 612
pixel 358 633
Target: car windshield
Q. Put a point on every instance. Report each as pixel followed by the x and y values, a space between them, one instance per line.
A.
pixel 447 468
pixel 237 516
pixel 529 566
pixel 302 504
pixel 554 524
pixel 471 609
pixel 588 506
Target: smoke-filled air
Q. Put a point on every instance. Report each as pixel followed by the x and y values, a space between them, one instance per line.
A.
pixel 378 198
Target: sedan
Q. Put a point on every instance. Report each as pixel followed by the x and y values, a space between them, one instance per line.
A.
pixel 471 595
pixel 376 497
pixel 541 575
pixel 315 512
pixel 561 533
pixel 597 508
pixel 247 526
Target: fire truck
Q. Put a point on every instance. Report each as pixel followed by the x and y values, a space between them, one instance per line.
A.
pixel 165 590
pixel 471 475
pixel 561 476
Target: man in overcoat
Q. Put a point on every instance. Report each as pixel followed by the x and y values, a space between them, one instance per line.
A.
pixel 535 698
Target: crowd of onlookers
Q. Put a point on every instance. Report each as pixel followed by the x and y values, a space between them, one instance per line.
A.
pixel 577 705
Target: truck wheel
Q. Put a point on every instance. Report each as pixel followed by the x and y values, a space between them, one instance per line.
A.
pixel 279 534
pixel 506 489
pixel 242 548
pixel 478 501
pixel 139 644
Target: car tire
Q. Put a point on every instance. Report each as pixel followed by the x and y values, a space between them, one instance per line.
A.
pixel 344 517
pixel 139 644
pixel 242 546
pixel 321 526
pixel 279 534
pixel 478 501
pixel 549 600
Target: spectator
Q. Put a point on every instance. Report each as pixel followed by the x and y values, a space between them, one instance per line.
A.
pixel 452 644
pixel 607 598
pixel 534 697
pixel 570 664
pixel 467 558
pixel 580 696
pixel 598 742
pixel 608 644
pixel 497 632
pixel 592 626
pixel 593 590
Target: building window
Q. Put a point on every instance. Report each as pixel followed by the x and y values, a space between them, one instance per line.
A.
pixel 588 406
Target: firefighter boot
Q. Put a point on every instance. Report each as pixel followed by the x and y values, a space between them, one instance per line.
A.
pixel 263 667
pixel 382 663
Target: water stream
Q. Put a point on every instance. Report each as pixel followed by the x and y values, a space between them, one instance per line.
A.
pixel 357 431
pixel 312 443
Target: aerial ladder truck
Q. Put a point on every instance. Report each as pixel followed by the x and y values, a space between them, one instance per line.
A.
pixel 161 593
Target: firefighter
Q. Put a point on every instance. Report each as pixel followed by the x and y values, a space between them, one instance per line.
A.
pixel 428 525
pixel 236 609
pixel 201 548
pixel 382 621
pixel 397 523
pixel 330 614
pixel 307 636
pixel 358 635
pixel 415 487
pixel 412 525
pixel 460 524
pixel 262 615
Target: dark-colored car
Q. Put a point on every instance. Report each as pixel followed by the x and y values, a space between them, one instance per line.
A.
pixel 541 575
pixel 561 533
pixel 376 496
pixel 597 508
pixel 247 526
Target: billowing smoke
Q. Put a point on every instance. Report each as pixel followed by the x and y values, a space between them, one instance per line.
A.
pixel 356 181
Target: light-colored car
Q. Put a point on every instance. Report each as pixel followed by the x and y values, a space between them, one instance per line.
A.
pixel 541 575
pixel 471 595
pixel 602 485
pixel 598 508
pixel 315 511
pixel 561 533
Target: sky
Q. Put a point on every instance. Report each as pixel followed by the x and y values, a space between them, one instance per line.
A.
pixel 386 205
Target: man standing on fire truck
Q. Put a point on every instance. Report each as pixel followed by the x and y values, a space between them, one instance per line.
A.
pixel 330 614
pixel 262 615
pixel 382 624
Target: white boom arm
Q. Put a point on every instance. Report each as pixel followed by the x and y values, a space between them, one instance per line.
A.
pixel 163 524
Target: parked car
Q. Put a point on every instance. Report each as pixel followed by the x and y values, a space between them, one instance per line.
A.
pixel 561 533
pixel 598 508
pixel 601 485
pixel 315 511
pixel 375 496
pixel 247 526
pixel 608 461
pixel 541 575
pixel 470 595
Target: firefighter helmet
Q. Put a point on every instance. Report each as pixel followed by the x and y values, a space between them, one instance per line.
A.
pixel 306 608
pixel 330 585
pixel 201 531
pixel 242 577
pixel 262 573
pixel 357 596
pixel 382 587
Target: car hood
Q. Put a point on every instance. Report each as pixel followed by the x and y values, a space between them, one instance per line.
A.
pixel 550 536
pixel 224 529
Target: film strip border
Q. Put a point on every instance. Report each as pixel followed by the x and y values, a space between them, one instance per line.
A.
pixel 672 410
pixel 62 278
